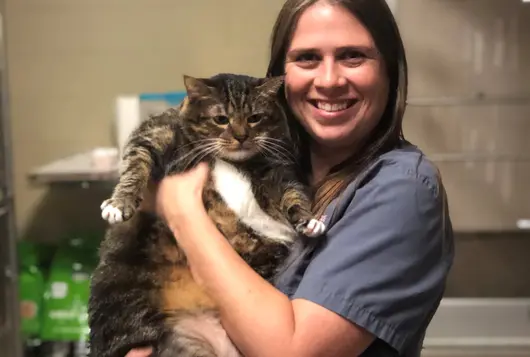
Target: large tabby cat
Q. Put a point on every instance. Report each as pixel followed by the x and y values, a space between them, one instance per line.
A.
pixel 142 292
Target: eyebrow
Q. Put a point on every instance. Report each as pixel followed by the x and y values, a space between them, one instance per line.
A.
pixel 361 48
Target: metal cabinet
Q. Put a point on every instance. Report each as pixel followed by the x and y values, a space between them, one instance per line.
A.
pixel 9 331
pixel 10 338
pixel 469 105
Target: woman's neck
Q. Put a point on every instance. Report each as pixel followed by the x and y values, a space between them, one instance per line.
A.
pixel 325 158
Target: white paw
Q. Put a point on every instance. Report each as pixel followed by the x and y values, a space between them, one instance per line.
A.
pixel 315 228
pixel 110 213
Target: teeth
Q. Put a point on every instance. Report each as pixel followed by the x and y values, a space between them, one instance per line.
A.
pixel 332 107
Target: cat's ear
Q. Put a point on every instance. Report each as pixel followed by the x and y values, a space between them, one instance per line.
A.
pixel 197 88
pixel 270 86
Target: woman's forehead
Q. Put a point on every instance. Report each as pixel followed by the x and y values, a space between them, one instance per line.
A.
pixel 324 26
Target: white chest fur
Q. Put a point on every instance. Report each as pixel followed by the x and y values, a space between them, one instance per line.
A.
pixel 235 189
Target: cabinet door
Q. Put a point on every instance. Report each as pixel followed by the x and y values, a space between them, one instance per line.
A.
pixel 469 104
pixel 9 307
pixel 4 150
pixel 483 154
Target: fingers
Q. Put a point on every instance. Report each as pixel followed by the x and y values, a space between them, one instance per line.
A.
pixel 203 168
pixel 177 193
pixel 202 174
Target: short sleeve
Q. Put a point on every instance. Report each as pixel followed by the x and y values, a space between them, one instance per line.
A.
pixel 385 261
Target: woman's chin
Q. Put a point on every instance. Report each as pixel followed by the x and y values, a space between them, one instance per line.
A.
pixel 332 137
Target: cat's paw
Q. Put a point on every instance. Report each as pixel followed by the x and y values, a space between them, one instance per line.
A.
pixel 313 228
pixel 116 211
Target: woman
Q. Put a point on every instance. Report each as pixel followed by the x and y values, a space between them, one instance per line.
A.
pixel 373 285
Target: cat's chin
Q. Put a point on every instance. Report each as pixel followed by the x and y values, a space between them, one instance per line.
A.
pixel 237 156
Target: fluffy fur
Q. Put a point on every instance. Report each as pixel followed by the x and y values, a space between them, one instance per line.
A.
pixel 142 292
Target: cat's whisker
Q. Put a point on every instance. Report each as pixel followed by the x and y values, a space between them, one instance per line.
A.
pixel 199 145
pixel 196 152
pixel 279 149
pixel 212 150
pixel 267 151
pixel 262 145
pixel 285 156
pixel 282 141
pixel 279 143
pixel 192 152
pixel 198 142
pixel 202 153
pixel 274 141
pixel 273 157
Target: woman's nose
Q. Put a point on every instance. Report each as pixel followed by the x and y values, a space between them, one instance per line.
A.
pixel 329 76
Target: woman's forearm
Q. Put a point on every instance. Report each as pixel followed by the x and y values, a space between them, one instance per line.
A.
pixel 258 317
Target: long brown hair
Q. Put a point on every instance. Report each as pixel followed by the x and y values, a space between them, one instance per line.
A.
pixel 376 16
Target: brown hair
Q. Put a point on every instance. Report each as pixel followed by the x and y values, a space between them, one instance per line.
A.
pixel 376 16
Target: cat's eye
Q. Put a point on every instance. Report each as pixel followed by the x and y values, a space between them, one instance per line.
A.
pixel 254 119
pixel 221 120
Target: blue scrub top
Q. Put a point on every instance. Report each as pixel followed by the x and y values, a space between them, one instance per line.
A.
pixel 384 261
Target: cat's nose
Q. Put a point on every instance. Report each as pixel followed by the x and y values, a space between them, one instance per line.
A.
pixel 241 137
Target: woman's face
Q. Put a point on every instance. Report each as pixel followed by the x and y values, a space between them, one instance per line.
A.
pixel 335 78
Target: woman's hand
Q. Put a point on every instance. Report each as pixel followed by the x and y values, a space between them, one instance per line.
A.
pixel 179 196
pixel 176 195
pixel 140 352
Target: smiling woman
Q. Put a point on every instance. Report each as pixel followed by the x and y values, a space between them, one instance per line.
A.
pixel 372 285
pixel 336 82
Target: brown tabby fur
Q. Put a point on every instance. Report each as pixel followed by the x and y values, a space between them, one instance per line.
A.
pixel 142 292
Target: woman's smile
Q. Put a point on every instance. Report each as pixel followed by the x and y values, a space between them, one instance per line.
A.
pixel 333 109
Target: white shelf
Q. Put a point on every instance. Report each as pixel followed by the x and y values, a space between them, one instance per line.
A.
pixel 76 168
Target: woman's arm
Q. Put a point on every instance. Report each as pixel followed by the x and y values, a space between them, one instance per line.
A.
pixel 259 319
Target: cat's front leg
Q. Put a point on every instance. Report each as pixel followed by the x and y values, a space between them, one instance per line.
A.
pixel 296 205
pixel 143 154
pixel 127 194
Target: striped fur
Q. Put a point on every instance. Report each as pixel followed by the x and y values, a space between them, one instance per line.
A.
pixel 142 292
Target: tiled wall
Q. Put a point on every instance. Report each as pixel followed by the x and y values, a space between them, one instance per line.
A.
pixel 458 51
pixel 69 59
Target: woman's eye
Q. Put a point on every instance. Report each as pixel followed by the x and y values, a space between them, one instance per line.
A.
pixel 307 60
pixel 307 57
pixel 221 120
pixel 352 56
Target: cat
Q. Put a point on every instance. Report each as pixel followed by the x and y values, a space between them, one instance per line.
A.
pixel 142 292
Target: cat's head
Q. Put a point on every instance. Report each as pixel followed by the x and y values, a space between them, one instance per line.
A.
pixel 236 117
